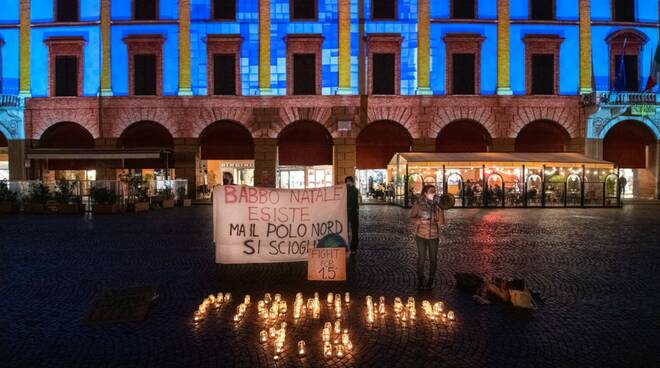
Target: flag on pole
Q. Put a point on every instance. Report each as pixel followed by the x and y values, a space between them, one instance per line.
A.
pixel 654 78
pixel 620 80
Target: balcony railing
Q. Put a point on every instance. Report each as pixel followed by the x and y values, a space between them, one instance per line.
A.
pixel 10 101
pixel 622 98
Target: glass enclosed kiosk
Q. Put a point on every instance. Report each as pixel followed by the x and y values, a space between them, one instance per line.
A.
pixel 507 179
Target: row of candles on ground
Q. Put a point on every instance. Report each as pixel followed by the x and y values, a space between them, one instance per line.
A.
pixel 434 312
pixel 215 301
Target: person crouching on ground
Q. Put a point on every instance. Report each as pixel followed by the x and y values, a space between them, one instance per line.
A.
pixel 427 216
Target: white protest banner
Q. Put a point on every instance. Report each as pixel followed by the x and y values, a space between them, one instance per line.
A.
pixel 264 225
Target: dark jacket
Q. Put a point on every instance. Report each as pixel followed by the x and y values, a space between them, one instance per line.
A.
pixel 352 200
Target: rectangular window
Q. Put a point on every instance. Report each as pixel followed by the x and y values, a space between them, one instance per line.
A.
pixel 464 9
pixel 624 10
pixel 66 11
pixel 304 74
pixel 627 75
pixel 66 76
pixel 145 9
pixel 303 9
pixel 383 9
pixel 383 74
pixel 224 74
pixel 543 74
pixel 224 9
pixel 463 74
pixel 541 10
pixel 144 70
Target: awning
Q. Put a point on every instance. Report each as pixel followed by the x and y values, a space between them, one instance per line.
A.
pixel 477 159
pixel 79 159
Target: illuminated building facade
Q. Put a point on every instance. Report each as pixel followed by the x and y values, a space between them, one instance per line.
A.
pixel 295 93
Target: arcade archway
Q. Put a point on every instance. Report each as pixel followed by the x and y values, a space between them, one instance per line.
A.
pixel 71 137
pixel 149 136
pixel 463 136
pixel 305 156
pixel 227 152
pixel 632 146
pixel 542 136
pixel 376 145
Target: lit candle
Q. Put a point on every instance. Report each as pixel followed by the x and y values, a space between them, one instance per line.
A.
pixel 227 297
pixel 340 350
pixel 347 297
pixel 236 317
pixel 326 334
pixel 220 297
pixel 301 348
pixel 276 357
pixel 451 316
pixel 267 298
pixel 246 300
pixel 263 336
pixel 327 349
pixel 337 326
pixel 345 338
pixel 381 308
pixel 272 331
pixel 330 297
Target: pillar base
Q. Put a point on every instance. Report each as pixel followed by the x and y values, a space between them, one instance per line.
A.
pixel 106 92
pixel 265 92
pixel 25 93
pixel 185 92
pixel 586 91
pixel 424 91
pixel 344 91
pixel 504 91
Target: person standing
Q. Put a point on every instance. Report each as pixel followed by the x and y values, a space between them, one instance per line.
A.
pixel 353 211
pixel 427 216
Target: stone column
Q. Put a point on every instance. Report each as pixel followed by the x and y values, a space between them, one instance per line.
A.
pixel 184 48
pixel 503 48
pixel 265 162
pixel 424 47
pixel 105 170
pixel 264 47
pixel 585 47
pixel 24 52
pixel 344 30
pixel 593 147
pixel 345 158
pixel 106 64
pixel 16 151
pixel 186 158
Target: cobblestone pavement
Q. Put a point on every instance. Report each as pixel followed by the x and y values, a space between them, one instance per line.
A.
pixel 596 269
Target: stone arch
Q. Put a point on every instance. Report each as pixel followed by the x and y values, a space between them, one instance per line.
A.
pixel 290 115
pixel 542 136
pixel 305 143
pixel 464 135
pixel 120 119
pixel 209 116
pixel 226 140
pixel 565 117
pixel 626 144
pixel 405 116
pixel 145 134
pixel 66 134
pixel 630 34
pixel 445 116
pixel 646 121
pixel 44 119
pixel 379 141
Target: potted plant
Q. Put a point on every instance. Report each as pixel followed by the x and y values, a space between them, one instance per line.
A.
pixel 167 197
pixel 104 200
pixel 138 193
pixel 37 197
pixel 183 200
pixel 65 198
pixel 8 198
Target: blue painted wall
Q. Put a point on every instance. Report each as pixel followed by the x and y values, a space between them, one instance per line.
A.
pixel 10 12
pixel 9 65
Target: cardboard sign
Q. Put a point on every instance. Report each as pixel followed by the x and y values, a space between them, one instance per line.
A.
pixel 265 225
pixel 326 264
